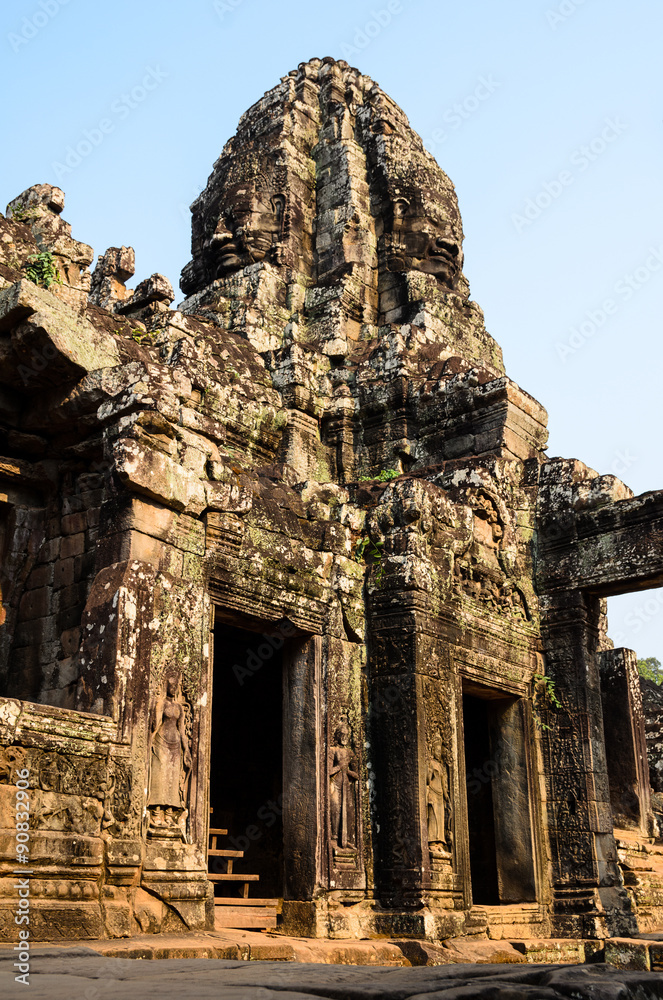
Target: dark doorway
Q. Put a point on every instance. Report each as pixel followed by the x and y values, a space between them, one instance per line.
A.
pixel 483 852
pixel 499 820
pixel 246 767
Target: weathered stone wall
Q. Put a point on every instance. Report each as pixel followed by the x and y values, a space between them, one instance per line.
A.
pixel 80 801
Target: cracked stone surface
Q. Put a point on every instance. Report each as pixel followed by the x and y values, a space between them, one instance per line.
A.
pixel 80 973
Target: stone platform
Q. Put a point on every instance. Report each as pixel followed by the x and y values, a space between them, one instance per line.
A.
pixel 63 972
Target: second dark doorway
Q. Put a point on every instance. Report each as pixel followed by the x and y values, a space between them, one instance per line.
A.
pixel 498 798
pixel 246 767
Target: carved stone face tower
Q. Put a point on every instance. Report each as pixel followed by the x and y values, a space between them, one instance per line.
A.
pixel 327 187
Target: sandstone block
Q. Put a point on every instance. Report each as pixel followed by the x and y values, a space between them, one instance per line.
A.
pixel 72 545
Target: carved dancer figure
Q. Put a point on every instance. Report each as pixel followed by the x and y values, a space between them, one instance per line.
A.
pixel 438 802
pixel 170 758
pixel 342 794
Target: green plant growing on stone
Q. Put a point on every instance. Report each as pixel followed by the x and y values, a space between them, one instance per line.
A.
pixel 369 550
pixel 23 214
pixel 385 476
pixel 545 697
pixel 143 337
pixel 41 269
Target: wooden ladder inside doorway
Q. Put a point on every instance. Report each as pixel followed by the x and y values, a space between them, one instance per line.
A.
pixel 237 911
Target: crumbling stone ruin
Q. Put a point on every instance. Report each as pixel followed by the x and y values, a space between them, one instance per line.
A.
pixel 293 551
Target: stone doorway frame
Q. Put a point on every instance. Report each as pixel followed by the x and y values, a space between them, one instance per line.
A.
pixel 468 679
pixel 302 728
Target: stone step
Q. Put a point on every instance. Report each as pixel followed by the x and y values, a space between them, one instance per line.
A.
pixel 245 916
pixel 242 901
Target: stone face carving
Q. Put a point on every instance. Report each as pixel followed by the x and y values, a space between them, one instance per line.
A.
pixel 428 241
pixel 170 764
pixel 438 803
pixel 333 191
pixel 343 776
pixel 249 228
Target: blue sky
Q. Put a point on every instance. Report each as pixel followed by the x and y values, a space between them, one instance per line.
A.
pixel 546 114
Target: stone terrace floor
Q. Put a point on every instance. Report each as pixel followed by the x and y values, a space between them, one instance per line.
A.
pixel 239 965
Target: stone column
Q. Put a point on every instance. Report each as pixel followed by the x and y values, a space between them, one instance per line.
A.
pixel 413 755
pixel 513 820
pixel 146 623
pixel 626 746
pixel 397 739
pixel 302 832
pixel 588 896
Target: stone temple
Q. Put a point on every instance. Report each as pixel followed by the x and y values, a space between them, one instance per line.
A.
pixel 290 561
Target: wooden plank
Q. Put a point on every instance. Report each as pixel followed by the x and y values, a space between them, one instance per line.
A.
pixel 226 854
pixel 233 878
pixel 244 921
pixel 240 901
pixel 219 833
pixel 249 910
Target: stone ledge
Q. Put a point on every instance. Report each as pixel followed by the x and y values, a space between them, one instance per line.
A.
pixel 247 945
pixel 642 954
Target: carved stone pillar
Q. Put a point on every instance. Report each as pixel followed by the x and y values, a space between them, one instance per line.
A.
pixel 301 778
pixel 398 756
pixel 588 896
pixel 626 744
pixel 414 756
pixel 441 774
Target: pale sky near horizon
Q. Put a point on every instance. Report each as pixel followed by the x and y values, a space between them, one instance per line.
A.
pixel 546 115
